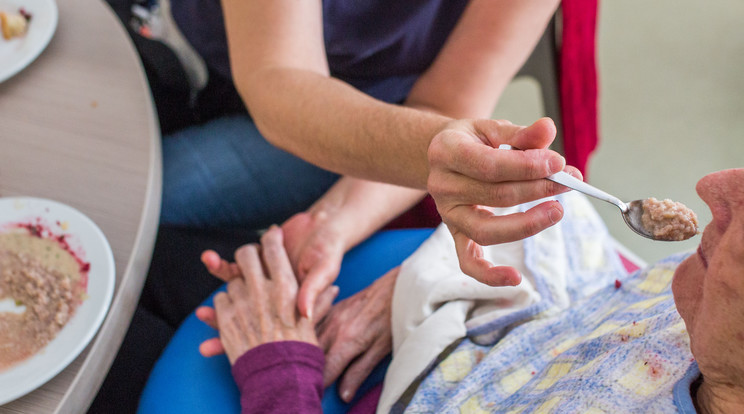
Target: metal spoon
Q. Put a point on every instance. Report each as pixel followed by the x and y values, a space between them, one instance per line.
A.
pixel 631 211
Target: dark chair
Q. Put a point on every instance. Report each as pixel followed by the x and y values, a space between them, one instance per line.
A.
pixel 542 65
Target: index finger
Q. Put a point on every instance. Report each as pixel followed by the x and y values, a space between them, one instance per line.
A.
pixel 284 283
pixel 485 163
pixel 275 257
pixel 249 262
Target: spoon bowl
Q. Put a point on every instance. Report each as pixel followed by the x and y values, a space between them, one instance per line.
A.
pixel 632 212
pixel 664 226
pixel 632 217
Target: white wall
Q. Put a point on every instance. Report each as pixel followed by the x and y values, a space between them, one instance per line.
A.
pixel 671 105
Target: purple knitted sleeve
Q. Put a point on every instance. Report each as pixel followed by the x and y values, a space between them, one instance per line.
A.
pixel 280 377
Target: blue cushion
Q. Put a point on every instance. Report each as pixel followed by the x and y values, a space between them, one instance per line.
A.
pixel 183 381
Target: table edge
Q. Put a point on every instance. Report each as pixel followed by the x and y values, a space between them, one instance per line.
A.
pixel 101 353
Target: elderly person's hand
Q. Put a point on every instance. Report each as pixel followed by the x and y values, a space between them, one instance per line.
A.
pixel 259 305
pixel 357 334
pixel 468 173
pixel 709 293
pixel 347 214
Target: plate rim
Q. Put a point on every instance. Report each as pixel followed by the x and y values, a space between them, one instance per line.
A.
pixel 13 70
pixel 94 328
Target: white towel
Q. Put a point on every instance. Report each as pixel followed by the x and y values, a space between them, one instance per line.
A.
pixel 434 303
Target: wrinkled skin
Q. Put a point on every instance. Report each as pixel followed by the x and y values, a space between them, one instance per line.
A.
pixel 709 293
pixel 708 290
pixel 260 303
pixel 357 334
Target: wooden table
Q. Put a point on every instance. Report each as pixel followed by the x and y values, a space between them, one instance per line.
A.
pixel 78 126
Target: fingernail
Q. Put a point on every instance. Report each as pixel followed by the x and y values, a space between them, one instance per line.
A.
pixel 556 164
pixel 346 395
pixel 310 314
pixel 554 215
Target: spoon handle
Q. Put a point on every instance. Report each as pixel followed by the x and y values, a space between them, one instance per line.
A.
pixel 578 185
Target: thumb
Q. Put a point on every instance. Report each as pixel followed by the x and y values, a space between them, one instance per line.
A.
pixel 539 135
pixel 316 281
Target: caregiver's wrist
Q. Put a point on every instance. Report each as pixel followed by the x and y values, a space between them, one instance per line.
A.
pixel 713 398
pixel 349 222
pixel 351 229
pixel 336 219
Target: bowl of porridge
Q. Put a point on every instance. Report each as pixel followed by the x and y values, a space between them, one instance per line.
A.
pixel 56 284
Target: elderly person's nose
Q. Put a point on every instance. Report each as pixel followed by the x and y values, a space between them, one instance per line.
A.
pixel 723 192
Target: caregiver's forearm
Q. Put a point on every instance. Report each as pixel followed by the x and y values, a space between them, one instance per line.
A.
pixel 330 124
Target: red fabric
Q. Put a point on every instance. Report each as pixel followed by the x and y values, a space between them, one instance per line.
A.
pixel 629 265
pixel 578 81
pixel 422 215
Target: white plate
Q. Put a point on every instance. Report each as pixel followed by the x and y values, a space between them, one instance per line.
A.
pixel 89 244
pixel 17 53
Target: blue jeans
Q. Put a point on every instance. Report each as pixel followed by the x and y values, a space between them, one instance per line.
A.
pixel 224 173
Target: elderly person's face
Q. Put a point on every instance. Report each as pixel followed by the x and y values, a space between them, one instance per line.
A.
pixel 709 286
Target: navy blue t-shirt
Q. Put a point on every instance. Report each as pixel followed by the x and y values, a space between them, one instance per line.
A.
pixel 378 46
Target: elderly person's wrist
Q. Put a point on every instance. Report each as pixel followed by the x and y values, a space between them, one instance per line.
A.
pixel 713 398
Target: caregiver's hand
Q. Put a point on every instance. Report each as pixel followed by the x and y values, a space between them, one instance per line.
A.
pixel 316 246
pixel 259 305
pixel 357 334
pixel 468 173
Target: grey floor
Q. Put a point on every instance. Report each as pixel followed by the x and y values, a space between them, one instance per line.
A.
pixel 671 105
